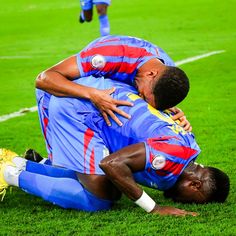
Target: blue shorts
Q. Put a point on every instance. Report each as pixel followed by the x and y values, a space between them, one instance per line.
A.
pixel 88 4
pixel 70 142
pixel 96 203
pixel 75 145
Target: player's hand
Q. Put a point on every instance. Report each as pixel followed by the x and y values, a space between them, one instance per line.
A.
pixel 168 210
pixel 179 116
pixel 108 106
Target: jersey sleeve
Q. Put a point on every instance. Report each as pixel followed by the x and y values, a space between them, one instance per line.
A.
pixel 166 159
pixel 118 57
pixel 112 60
pixel 97 62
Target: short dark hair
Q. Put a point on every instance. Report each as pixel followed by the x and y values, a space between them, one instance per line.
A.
pixel 220 185
pixel 171 88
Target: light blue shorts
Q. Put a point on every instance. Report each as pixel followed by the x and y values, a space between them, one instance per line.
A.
pixel 74 145
pixel 70 142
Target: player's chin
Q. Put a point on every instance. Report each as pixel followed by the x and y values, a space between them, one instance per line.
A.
pixel 175 196
pixel 170 193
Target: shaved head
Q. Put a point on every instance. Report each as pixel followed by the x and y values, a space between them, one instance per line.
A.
pixel 198 184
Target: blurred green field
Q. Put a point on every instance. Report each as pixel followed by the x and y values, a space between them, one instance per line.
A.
pixel 37 34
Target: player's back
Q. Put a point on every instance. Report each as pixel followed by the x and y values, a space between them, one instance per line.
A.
pixel 146 122
pixel 131 47
pixel 169 148
pixel 118 57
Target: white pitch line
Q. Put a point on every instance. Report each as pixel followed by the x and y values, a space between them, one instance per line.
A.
pixel 21 112
pixel 191 59
pixel 24 111
pixel 14 57
pixel 26 57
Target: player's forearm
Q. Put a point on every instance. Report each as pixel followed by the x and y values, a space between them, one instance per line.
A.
pixel 55 83
pixel 119 168
pixel 121 176
pixel 120 165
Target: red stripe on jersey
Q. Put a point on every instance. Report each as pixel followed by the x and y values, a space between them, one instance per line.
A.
pixel 88 135
pixel 172 149
pixel 91 163
pixel 173 167
pixel 50 156
pixel 45 125
pixel 121 67
pixel 151 157
pixel 116 51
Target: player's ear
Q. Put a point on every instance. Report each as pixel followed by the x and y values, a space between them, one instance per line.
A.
pixel 152 73
pixel 195 184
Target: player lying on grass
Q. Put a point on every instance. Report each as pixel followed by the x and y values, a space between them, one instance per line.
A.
pixel 150 149
pixel 127 59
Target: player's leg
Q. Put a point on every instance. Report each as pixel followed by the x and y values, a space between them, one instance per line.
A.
pixel 34 167
pixel 101 7
pixel 64 192
pixel 86 13
pixel 49 170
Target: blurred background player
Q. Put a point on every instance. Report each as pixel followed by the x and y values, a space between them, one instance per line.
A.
pixel 87 13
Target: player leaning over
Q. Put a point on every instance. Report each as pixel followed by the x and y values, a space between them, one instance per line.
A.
pixel 127 59
pixel 150 149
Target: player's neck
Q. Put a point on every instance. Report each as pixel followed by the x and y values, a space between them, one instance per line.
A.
pixel 153 63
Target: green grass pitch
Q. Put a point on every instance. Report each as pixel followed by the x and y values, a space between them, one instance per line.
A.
pixel 37 34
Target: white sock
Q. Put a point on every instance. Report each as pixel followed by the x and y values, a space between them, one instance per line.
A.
pixel 11 175
pixel 20 162
pixel 43 161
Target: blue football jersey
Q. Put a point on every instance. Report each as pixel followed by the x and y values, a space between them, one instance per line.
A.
pixel 85 139
pixel 118 57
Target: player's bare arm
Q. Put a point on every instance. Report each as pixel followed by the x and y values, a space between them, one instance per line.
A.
pixel 57 80
pixel 119 167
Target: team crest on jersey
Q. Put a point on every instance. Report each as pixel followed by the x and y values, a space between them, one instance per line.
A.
pixel 158 162
pixel 98 61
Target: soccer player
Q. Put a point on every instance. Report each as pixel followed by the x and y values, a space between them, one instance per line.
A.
pixel 87 13
pixel 127 59
pixel 150 149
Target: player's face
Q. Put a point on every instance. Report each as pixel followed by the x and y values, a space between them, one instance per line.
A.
pixel 145 87
pixel 192 186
